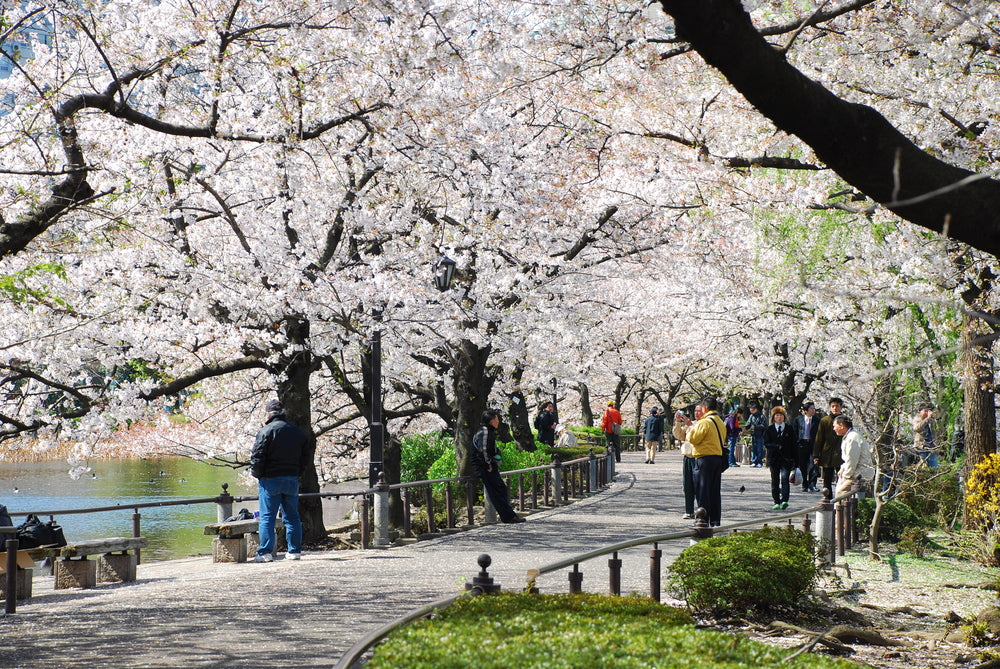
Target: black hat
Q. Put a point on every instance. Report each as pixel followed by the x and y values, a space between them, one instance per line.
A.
pixel 275 407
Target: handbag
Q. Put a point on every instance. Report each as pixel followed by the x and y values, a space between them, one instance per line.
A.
pixel 796 477
pixel 725 449
pixel 616 428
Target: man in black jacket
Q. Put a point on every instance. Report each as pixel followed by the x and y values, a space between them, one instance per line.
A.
pixel 280 455
pixel 486 465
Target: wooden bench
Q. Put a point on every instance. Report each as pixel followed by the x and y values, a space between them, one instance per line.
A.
pixel 116 564
pixel 22 583
pixel 235 540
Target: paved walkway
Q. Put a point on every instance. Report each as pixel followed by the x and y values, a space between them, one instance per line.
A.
pixel 192 613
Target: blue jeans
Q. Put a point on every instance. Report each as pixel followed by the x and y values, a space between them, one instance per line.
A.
pixel 733 441
pixel 283 492
pixel 757 451
pixel 930 457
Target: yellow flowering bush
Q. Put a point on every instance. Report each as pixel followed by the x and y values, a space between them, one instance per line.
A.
pixel 982 491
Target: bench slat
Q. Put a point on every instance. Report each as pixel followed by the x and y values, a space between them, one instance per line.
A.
pixel 99 546
pixel 235 528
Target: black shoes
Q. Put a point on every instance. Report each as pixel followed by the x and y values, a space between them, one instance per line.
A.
pixel 515 519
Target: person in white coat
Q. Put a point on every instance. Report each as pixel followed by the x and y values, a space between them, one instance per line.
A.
pixel 856 453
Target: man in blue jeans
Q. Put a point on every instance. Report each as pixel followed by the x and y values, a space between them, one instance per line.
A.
pixel 279 457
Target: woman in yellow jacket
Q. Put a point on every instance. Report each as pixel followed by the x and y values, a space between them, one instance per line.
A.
pixel 706 436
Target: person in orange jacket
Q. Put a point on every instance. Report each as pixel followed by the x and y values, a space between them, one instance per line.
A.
pixel 611 424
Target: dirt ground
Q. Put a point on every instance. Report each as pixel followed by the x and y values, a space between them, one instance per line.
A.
pixel 921 605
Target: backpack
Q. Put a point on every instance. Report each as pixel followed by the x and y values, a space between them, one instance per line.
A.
pixel 33 533
pixel 538 421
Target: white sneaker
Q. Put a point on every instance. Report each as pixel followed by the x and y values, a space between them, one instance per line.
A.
pixel 264 557
pixel 293 556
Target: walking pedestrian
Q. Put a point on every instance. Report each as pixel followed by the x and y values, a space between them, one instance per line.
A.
pixel 734 430
pixel 782 452
pixel 706 437
pixel 806 425
pixel 611 424
pixel 687 451
pixel 856 453
pixel 653 434
pixel 279 457
pixel 755 425
pixel 545 423
pixel 826 450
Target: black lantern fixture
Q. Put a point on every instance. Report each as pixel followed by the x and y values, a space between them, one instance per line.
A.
pixel 444 273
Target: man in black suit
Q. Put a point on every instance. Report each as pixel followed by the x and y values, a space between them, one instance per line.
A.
pixel 806 424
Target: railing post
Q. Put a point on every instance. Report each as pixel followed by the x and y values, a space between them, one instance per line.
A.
pixel 655 558
pixel 520 492
pixel 841 527
pixel 592 481
pixel 429 501
pixel 826 553
pixel 806 523
pixel 534 489
pixel 615 575
pixel 11 575
pixel 365 522
pixel 137 531
pixel 557 482
pixel 225 504
pixel 609 457
pixel 546 482
pixel 470 502
pixel 381 513
pixel 576 580
pixel 449 507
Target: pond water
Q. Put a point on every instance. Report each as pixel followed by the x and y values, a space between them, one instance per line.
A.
pixel 173 531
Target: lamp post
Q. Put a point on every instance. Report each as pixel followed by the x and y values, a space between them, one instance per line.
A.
pixel 375 465
pixel 444 272
pixel 555 407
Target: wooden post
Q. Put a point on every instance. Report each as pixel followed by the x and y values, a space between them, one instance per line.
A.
pixel 615 575
pixel 575 580
pixel 655 558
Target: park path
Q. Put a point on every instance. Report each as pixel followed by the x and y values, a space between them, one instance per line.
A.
pixel 192 613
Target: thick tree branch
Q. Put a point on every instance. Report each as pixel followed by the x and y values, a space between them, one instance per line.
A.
pixel 854 140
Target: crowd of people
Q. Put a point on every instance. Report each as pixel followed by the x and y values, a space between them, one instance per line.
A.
pixel 797 452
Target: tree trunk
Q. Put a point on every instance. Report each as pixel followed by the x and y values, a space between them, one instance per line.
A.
pixel 472 385
pixel 978 400
pixel 586 411
pixel 293 376
pixel 517 412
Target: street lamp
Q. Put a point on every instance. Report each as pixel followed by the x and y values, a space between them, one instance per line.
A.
pixel 444 273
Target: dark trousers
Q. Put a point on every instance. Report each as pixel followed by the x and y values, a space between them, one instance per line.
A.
pixel 805 465
pixel 708 486
pixel 499 496
pixel 688 475
pixel 830 478
pixel 615 443
pixel 780 471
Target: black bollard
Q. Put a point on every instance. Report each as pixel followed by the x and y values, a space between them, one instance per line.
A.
pixel 483 582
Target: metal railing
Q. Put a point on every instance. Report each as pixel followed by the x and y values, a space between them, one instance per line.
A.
pixel 531 488
pixel 834 529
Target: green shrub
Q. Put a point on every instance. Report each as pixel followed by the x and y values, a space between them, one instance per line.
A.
pixel 765 568
pixel 573 632
pixel 418 452
pixel 896 518
pixel 914 541
pixel 933 494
